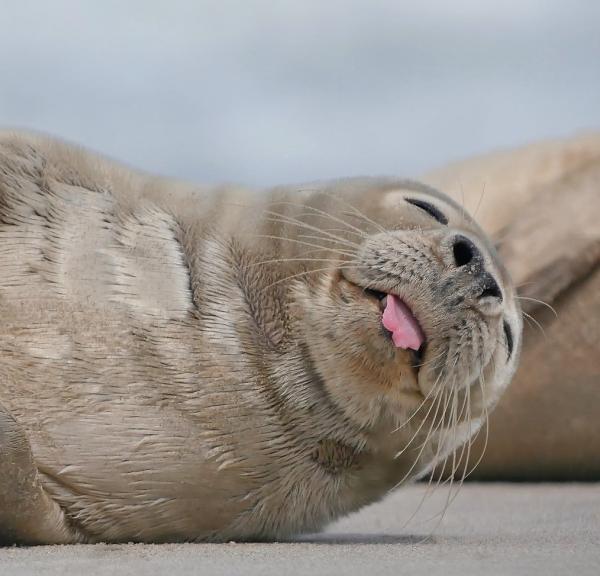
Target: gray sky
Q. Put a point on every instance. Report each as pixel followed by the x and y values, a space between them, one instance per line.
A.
pixel 264 92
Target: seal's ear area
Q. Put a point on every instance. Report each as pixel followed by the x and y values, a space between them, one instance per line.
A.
pixel 554 240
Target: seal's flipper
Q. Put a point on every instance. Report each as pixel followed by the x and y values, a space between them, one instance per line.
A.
pixel 27 514
pixel 554 240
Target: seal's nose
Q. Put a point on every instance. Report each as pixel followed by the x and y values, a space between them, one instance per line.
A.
pixel 468 256
pixel 489 287
pixel 466 253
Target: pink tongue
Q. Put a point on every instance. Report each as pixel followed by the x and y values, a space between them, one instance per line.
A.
pixel 399 320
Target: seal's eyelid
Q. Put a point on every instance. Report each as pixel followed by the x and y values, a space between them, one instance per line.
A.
pixel 430 209
pixel 509 338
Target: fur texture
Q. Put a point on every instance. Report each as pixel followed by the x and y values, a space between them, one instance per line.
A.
pixel 182 363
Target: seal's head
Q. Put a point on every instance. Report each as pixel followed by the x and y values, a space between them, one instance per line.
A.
pixel 417 314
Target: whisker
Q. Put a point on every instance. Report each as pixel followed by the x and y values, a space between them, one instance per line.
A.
pixel 314 271
pixel 430 361
pixel 357 212
pixel 322 213
pixel 360 216
pixel 282 260
pixel 485 443
pixel 291 219
pixel 450 497
pixel 341 230
pixel 539 302
pixel 469 444
pixel 285 219
pixel 486 420
pixel 536 323
pixel 441 442
pixel 406 422
pixel 479 202
pixel 428 436
pixel 517 286
pixel 407 446
pixel 453 428
pixel 315 237
pixel 463 207
pixel 347 230
pixel 450 479
pixel 432 429
pixel 301 242
pixel 418 408
pixel 427 493
pixel 430 490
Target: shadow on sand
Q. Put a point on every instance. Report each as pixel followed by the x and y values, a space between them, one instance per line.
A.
pixel 358 539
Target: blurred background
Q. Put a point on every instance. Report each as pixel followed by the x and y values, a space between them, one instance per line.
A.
pixel 263 92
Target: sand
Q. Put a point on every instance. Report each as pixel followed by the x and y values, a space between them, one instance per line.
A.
pixel 489 529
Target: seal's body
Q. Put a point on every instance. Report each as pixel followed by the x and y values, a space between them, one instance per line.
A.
pixel 208 364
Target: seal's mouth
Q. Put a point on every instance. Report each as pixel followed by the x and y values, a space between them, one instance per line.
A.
pixel 401 324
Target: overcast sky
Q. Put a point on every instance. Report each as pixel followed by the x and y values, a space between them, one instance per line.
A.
pixel 264 92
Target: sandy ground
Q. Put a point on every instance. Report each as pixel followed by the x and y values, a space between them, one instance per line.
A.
pixel 490 529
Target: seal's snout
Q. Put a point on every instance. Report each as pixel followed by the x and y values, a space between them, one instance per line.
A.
pixel 466 257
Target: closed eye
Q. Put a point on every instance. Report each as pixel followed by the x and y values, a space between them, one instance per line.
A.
pixel 509 338
pixel 430 209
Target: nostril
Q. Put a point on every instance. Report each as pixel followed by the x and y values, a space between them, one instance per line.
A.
pixel 463 250
pixel 493 291
pixel 490 288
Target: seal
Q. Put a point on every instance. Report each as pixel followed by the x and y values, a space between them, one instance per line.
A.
pixel 213 364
